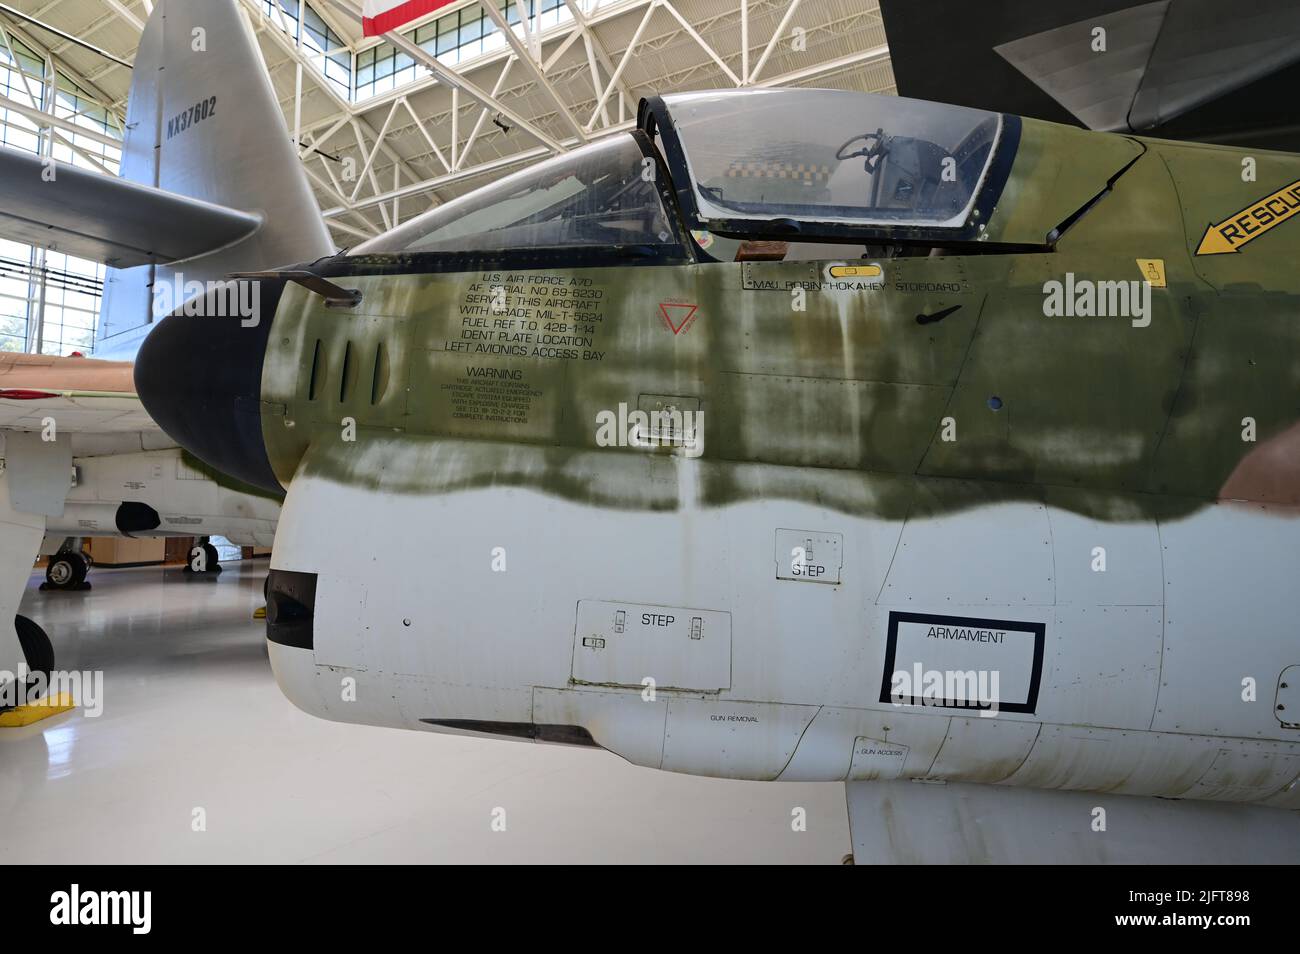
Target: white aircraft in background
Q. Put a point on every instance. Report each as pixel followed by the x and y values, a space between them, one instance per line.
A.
pixel 211 184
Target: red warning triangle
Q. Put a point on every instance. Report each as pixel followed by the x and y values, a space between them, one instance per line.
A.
pixel 677 314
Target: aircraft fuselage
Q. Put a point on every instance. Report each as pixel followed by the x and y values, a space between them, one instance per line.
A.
pixel 1020 510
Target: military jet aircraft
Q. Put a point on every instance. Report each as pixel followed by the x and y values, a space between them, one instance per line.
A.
pixel 81 456
pixel 794 434
pixel 806 434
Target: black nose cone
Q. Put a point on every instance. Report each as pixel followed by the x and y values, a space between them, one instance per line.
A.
pixel 199 375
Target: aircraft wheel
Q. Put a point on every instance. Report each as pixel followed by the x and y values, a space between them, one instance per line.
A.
pixel 211 563
pixel 67 570
pixel 36 646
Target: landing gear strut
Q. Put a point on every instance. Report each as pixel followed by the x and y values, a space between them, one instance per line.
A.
pixel 203 559
pixel 67 569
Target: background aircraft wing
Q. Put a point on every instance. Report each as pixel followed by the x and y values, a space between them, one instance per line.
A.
pixel 53 410
pixel 73 411
pixel 107 219
pixel 1176 69
pixel 92 402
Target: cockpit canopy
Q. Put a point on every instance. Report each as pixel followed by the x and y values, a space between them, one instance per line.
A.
pixel 778 164
pixel 830 156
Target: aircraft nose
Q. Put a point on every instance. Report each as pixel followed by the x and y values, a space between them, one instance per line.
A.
pixel 199 375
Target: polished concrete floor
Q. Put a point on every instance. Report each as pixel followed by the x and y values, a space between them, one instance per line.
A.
pixel 192 720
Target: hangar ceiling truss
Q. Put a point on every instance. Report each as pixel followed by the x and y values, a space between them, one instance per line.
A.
pixel 571 74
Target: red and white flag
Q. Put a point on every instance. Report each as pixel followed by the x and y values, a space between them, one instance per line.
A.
pixel 382 16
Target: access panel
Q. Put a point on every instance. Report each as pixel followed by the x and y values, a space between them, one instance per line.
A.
pixel 626 644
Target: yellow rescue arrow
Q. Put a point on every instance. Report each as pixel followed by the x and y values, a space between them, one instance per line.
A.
pixel 1251 222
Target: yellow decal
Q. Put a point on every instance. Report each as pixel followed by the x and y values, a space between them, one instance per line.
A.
pixel 1251 222
pixel 1153 270
pixel 856 271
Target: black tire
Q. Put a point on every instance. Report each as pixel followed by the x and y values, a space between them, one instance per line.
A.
pixel 67 570
pixel 36 646
pixel 211 559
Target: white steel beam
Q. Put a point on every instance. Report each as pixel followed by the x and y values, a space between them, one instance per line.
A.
pixel 482 116
pixel 370 159
pixel 694 35
pixel 594 46
pixel 455 80
pixel 47 120
pixel 622 64
pixel 744 42
pixel 419 124
pixel 530 58
pixel 102 98
pixel 771 44
pixel 318 141
pixel 120 9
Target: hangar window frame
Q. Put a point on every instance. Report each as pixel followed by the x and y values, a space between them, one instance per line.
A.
pixel 50 302
pixel 454 38
pixel 328 52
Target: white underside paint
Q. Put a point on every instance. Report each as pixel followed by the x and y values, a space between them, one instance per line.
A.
pixel 188 502
pixel 1141 683
pixel 926 823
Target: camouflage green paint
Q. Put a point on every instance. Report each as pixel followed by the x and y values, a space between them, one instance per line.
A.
pixel 849 395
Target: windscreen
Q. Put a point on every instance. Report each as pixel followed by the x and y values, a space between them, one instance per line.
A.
pixel 602 194
pixel 833 156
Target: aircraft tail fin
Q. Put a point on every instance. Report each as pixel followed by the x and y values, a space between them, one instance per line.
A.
pixel 204 123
